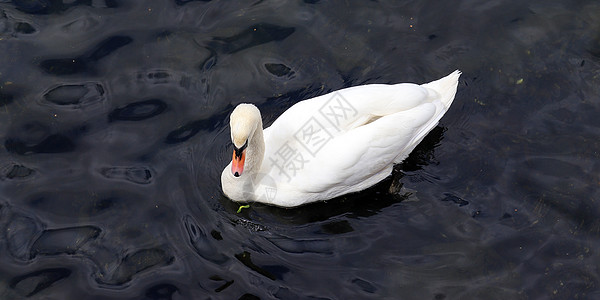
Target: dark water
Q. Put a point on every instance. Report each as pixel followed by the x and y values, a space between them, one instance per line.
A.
pixel 113 121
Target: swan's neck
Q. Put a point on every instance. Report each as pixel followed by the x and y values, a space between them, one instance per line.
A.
pixel 255 152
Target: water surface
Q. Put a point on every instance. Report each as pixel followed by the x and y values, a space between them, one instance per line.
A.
pixel 113 121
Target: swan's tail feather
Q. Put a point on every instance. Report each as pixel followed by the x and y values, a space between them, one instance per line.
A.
pixel 446 86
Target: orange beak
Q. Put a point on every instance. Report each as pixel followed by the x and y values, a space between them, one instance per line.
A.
pixel 237 163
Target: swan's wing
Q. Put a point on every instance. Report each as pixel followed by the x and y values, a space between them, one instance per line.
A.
pixel 351 159
pixel 341 111
pixel 300 133
pixel 354 106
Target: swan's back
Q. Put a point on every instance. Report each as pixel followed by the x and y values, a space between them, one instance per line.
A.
pixel 351 107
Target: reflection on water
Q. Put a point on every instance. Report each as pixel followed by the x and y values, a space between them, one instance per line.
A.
pixel 114 115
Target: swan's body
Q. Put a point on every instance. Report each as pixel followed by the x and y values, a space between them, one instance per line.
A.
pixel 331 145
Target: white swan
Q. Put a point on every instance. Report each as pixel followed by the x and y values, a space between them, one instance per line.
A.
pixel 331 145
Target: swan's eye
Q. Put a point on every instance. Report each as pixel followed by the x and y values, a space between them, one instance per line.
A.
pixel 238 151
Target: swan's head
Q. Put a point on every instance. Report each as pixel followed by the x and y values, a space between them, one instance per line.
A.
pixel 244 121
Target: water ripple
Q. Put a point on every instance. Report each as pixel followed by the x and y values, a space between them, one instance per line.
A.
pixel 84 63
pixel 64 240
pixel 32 283
pixel 138 111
